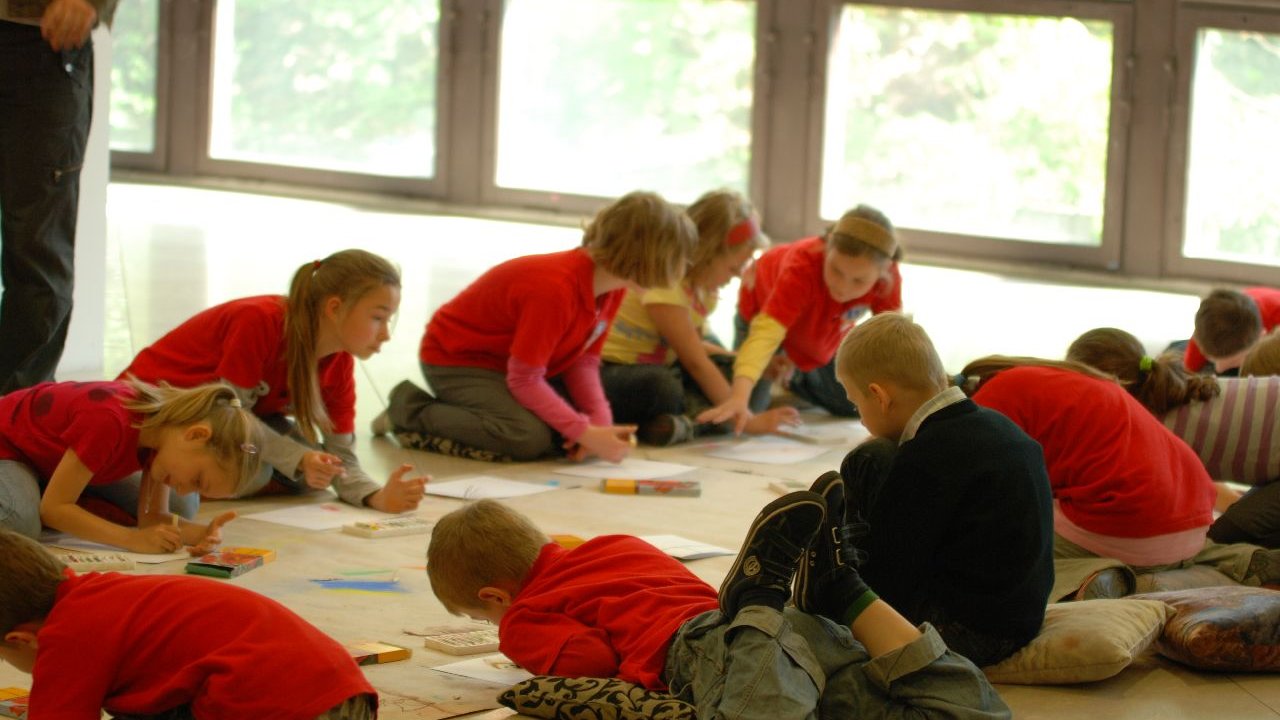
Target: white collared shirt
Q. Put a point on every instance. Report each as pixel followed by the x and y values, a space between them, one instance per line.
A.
pixel 946 398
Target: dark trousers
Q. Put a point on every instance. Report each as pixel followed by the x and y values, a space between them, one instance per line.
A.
pixel 865 471
pixel 818 386
pixel 1254 518
pixel 46 101
pixel 639 393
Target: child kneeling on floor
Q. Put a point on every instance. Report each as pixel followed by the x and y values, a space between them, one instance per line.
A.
pixel 165 646
pixel 616 606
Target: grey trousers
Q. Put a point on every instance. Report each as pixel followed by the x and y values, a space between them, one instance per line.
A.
pixel 46 102
pixel 473 407
pixel 767 665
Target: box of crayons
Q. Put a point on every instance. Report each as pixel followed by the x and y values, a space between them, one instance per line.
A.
pixel 677 488
pixel 376 653
pixel 267 555
pixel 14 702
pixel 224 564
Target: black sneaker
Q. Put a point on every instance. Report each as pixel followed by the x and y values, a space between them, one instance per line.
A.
pixel 447 446
pixel 833 559
pixel 666 429
pixel 777 542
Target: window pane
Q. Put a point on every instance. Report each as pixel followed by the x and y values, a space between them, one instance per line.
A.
pixel 600 97
pixel 133 76
pixel 970 123
pixel 330 84
pixel 1233 210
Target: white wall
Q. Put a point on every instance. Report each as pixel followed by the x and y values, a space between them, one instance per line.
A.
pixel 82 359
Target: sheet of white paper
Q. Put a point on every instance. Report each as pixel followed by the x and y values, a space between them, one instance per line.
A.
pixel 768 450
pixel 496 669
pixel 836 433
pixel 322 516
pixel 630 469
pixel 75 544
pixel 478 487
pixel 682 548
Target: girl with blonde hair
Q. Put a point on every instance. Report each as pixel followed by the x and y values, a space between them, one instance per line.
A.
pixel 799 300
pixel 295 356
pixel 62 441
pixel 662 365
pixel 491 354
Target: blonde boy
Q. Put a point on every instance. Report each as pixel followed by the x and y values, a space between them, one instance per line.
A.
pixel 616 606
pixel 948 510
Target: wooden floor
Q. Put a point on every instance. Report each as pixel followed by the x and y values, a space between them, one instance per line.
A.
pixel 175 251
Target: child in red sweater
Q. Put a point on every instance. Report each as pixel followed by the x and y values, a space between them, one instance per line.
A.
pixel 490 353
pixel 1124 486
pixel 802 298
pixel 171 645
pixel 619 607
pixel 1228 324
pixel 62 441
pixel 294 356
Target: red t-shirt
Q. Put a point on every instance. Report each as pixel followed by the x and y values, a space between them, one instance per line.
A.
pixel 142 644
pixel 789 288
pixel 607 608
pixel 39 424
pixel 1268 300
pixel 242 342
pixel 541 309
pixel 1113 467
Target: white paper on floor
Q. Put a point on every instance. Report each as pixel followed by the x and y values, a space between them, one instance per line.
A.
pixel 848 434
pixel 628 469
pixel 682 548
pixel 768 450
pixel 477 487
pixel 75 544
pixel 320 516
pixel 496 669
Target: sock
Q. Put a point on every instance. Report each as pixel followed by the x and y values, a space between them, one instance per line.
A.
pixel 768 597
pixel 855 608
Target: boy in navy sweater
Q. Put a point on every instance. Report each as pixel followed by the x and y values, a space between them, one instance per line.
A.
pixel 948 512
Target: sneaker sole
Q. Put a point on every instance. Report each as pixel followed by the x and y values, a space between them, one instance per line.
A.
pixel 778 507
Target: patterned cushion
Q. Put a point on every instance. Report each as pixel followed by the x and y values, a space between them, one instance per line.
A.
pixel 1232 628
pixel 544 696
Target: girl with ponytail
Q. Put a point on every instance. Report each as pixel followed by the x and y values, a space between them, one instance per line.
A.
pixel 295 357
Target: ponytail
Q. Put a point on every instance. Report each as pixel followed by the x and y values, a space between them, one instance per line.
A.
pixel 348 275
pixel 1161 384
pixel 235 435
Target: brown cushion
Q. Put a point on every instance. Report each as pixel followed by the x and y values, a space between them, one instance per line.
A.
pixel 1196 576
pixel 1232 628
pixel 545 696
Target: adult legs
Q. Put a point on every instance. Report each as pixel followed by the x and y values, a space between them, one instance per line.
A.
pixel 45 109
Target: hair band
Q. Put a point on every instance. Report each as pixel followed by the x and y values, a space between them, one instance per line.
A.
pixel 742 232
pixel 316 265
pixel 1145 363
pixel 235 403
pixel 871 233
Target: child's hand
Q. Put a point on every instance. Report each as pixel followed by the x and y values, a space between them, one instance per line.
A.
pixel 400 494
pixel 66 23
pixel 770 420
pixel 320 468
pixel 608 442
pixel 155 539
pixel 734 409
pixel 212 536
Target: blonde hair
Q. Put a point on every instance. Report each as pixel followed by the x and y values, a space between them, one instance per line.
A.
pixel 482 544
pixel 641 238
pixel 890 347
pixel 1160 383
pixel 715 215
pixel 348 275
pixel 235 437
pixel 31 578
pixel 984 368
pixel 1264 358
